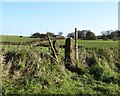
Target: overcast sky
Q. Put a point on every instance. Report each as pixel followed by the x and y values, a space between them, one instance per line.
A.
pixel 25 18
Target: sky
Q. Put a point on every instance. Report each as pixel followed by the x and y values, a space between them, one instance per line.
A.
pixel 26 18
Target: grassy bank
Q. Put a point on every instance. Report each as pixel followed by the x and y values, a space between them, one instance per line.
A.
pixel 28 70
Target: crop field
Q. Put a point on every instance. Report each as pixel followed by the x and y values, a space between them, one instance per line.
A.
pixel 29 69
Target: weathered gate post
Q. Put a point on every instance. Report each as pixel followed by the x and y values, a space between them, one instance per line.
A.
pixel 76 44
pixel 69 57
pixel 69 51
pixel 54 49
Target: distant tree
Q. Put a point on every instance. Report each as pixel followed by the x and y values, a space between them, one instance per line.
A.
pixel 84 34
pixel 50 34
pixel 104 35
pixel 35 35
pixel 38 35
pixel 71 35
pixel 90 36
pixel 60 33
pixel 113 35
pixel 43 35
pixel 108 33
pixel 81 34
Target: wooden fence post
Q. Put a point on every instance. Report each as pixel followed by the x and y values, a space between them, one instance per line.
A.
pixel 69 57
pixel 55 51
pixel 56 48
pixel 69 51
pixel 76 44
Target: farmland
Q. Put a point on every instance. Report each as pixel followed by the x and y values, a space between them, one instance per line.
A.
pixel 28 69
pixel 84 43
pixel 11 38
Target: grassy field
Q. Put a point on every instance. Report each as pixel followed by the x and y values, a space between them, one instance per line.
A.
pixel 83 43
pixel 15 38
pixel 94 43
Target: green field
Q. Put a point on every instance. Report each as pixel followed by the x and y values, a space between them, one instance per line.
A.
pixel 94 43
pixel 83 43
pixel 15 38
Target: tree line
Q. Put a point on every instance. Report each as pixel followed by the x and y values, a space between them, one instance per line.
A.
pixel 89 35
pixel 83 35
pixel 44 35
